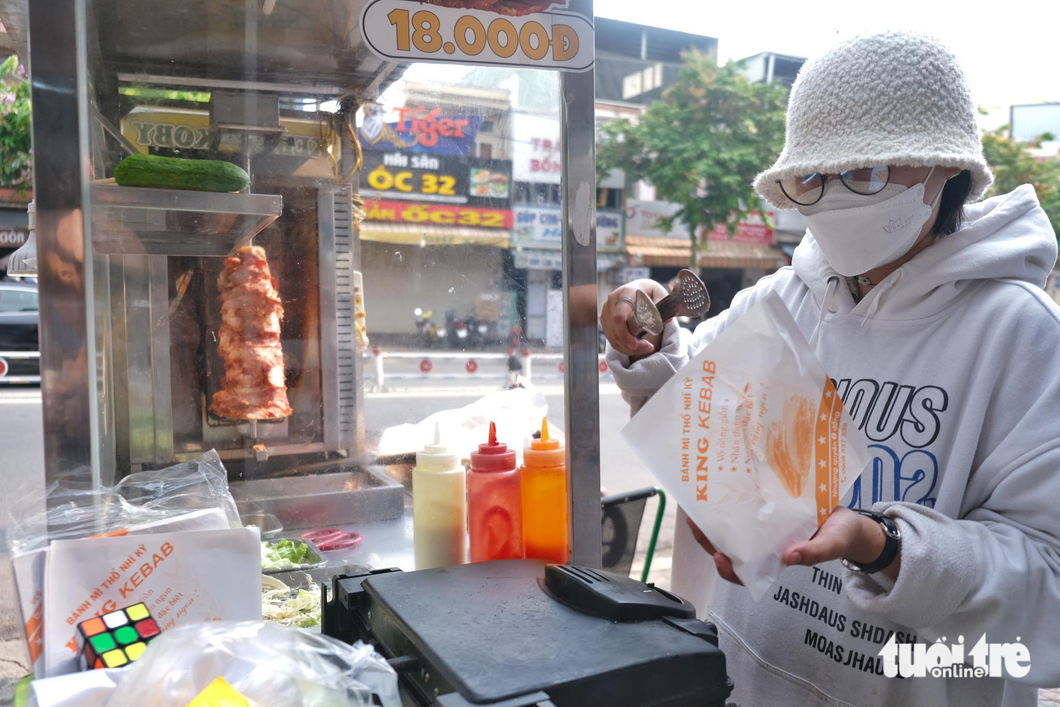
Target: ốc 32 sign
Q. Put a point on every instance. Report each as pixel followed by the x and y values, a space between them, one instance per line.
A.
pixel 419 176
pixel 501 32
pixel 437 214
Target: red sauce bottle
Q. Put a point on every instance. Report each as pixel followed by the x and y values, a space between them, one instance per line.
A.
pixel 494 503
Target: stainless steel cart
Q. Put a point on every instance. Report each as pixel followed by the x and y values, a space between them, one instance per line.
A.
pixel 128 276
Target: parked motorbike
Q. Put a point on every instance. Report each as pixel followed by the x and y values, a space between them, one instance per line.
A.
pixel 431 335
pixel 478 331
pixel 457 331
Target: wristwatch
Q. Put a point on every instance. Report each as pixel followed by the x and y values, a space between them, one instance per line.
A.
pixel 891 534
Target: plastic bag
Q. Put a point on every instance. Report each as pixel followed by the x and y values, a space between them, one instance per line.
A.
pixel 86 689
pixel 752 440
pixel 517 412
pixel 75 510
pixel 272 665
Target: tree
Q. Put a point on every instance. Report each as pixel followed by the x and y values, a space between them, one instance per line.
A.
pixel 1013 165
pixel 15 141
pixel 702 144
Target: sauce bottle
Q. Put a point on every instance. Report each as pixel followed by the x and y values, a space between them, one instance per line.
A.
pixel 439 507
pixel 494 503
pixel 544 482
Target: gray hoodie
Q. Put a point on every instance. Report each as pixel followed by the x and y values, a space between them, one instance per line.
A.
pixel 952 367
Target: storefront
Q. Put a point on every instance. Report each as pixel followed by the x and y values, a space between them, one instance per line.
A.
pixel 14 226
pixel 536 248
pixel 536 239
pixel 437 191
pixel 727 263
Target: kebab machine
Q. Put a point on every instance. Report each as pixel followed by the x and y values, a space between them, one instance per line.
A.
pixel 231 320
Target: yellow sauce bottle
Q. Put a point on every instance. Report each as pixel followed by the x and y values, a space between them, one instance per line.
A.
pixel 544 480
pixel 439 507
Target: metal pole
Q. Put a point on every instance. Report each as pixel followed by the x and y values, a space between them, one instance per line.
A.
pixel 581 382
pixel 659 513
pixel 60 140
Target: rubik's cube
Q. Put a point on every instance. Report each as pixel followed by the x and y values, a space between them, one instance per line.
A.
pixel 115 639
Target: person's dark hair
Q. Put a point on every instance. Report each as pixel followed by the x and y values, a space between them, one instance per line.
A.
pixel 951 206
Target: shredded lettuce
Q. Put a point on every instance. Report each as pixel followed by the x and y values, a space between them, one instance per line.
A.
pixel 301 610
pixel 285 554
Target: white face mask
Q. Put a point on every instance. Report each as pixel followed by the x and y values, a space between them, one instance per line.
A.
pixel 860 233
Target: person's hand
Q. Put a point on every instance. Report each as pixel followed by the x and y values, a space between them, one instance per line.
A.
pixel 721 560
pixel 843 534
pixel 618 311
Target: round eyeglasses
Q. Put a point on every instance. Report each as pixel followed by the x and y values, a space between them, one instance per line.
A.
pixel 808 190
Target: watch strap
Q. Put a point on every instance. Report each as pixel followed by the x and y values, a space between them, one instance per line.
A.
pixel 892 537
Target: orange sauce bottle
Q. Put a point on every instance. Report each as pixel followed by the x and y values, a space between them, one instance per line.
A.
pixel 494 503
pixel 544 477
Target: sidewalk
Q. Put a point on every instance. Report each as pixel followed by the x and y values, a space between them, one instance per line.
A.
pixel 14 660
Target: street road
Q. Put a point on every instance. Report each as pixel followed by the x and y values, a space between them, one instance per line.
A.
pixel 21 466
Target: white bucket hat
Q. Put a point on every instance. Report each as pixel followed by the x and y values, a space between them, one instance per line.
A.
pixel 893 98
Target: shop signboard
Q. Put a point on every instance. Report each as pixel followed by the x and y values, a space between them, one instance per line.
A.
pixel 187 129
pixel 753 229
pixel 536 152
pixel 538 34
pixel 642 219
pixel 538 260
pixel 418 176
pixel 541 227
pixel 536 149
pixel 490 183
pixel 419 129
pixel 630 274
pixel 608 230
pixel 12 238
pixel 554 320
pixel 437 214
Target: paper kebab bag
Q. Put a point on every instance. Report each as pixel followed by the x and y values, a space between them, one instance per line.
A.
pixel 753 442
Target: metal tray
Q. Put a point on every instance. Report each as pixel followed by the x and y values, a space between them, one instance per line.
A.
pixel 321 560
pixel 352 495
pixel 268 524
pixel 140 221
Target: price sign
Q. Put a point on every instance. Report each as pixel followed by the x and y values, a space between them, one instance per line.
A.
pixel 438 214
pixel 423 177
pixel 407 30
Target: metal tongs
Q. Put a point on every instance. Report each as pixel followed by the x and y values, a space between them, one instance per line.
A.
pixel 689 298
